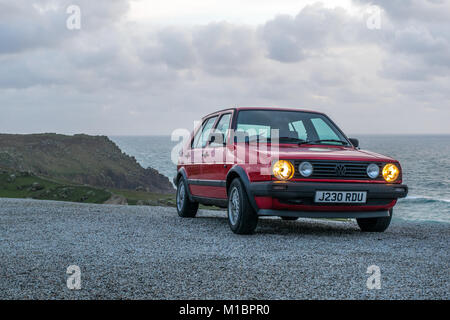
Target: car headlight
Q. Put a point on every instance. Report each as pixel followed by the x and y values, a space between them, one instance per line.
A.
pixel 373 170
pixel 390 172
pixel 305 168
pixel 283 170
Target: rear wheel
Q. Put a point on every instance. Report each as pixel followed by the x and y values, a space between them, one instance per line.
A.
pixel 242 218
pixel 374 224
pixel 289 218
pixel 185 207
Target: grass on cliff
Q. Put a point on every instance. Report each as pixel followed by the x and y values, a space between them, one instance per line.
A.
pixel 25 185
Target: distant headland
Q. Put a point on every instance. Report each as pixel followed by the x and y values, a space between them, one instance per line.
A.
pixel 55 166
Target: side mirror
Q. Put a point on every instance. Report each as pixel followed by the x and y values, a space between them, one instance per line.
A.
pixel 355 142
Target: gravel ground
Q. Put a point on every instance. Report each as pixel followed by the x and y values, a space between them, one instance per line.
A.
pixel 132 252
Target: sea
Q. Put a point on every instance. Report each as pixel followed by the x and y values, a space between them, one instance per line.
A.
pixel 425 161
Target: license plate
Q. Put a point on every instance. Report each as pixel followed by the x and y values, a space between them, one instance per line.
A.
pixel 341 196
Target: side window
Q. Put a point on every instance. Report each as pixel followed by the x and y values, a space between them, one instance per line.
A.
pixel 323 129
pixel 222 127
pixel 204 133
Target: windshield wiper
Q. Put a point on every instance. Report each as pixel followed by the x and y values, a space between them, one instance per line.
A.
pixel 323 140
pixel 297 140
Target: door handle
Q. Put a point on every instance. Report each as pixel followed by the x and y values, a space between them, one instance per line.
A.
pixel 205 154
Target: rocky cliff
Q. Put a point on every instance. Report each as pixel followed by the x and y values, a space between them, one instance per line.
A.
pixel 82 159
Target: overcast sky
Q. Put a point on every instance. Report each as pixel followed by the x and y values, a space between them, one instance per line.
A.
pixel 149 67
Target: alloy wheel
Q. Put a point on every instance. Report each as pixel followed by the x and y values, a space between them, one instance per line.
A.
pixel 234 206
pixel 180 196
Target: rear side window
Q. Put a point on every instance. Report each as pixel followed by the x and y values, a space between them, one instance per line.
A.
pixel 201 137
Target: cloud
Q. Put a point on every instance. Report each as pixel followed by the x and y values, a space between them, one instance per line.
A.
pixel 314 29
pixel 425 11
pixel 416 36
pixel 225 49
pixel 116 76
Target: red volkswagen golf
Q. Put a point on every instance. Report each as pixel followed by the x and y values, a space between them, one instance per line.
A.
pixel 288 163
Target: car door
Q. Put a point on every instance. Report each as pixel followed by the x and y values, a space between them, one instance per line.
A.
pixel 195 169
pixel 215 166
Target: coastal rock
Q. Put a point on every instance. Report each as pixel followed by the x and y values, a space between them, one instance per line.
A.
pixel 36 186
pixel 80 159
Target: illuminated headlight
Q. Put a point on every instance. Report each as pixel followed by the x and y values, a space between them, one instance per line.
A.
pixel 391 172
pixel 283 170
pixel 305 168
pixel 373 170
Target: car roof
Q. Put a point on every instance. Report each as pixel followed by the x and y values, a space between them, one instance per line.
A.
pixel 259 108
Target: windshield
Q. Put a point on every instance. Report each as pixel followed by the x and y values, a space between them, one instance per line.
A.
pixel 294 127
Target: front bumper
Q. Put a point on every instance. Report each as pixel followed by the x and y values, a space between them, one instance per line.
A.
pixel 297 199
pixel 292 190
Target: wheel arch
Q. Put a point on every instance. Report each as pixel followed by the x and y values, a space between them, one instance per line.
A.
pixel 182 174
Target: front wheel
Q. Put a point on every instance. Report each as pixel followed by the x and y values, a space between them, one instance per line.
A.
pixel 242 218
pixel 374 224
pixel 185 207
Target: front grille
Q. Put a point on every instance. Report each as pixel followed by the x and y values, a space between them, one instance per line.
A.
pixel 325 169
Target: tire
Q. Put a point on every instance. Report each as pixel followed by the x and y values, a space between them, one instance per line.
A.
pixel 242 218
pixel 289 218
pixel 374 224
pixel 185 207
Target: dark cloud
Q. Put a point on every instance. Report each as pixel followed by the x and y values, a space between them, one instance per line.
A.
pixel 427 11
pixel 225 49
pixel 27 25
pixel 23 27
pixel 176 49
pixel 308 34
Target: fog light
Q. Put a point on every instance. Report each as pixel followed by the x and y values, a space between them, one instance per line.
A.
pixel 305 168
pixel 283 170
pixel 390 172
pixel 373 170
